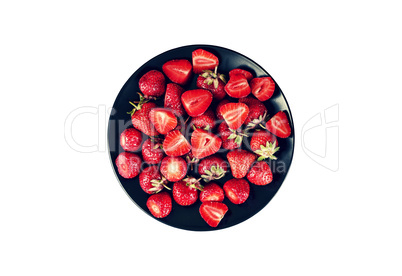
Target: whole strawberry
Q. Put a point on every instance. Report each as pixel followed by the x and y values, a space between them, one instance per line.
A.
pixel 128 164
pixel 260 173
pixel 212 192
pixel 152 151
pixel 160 205
pixel 257 112
pixel 185 192
pixel 264 144
pixel 173 168
pixel 130 139
pixel 230 139
pixel 240 162
pixel 212 167
pixel 152 84
pixel 151 180
pixel 205 121
pixel 140 116
pixel 172 99
pixel 214 82
pixel 237 190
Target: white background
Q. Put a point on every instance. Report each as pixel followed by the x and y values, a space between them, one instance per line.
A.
pixel 63 212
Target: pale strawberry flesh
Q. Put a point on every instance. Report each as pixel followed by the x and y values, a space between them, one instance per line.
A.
pixel 178 70
pixel 163 119
pixel 204 143
pixel 234 114
pixel 213 212
pixel 262 88
pixel 237 86
pixel 279 125
pixel 203 60
pixel 176 144
pixel 196 101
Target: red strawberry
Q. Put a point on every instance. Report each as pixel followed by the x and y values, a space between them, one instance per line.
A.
pixel 163 119
pixel 260 173
pixel 176 144
pixel 213 82
pixel 257 112
pixel 264 144
pixel 172 99
pixel 152 84
pixel 152 151
pixel 128 164
pixel 203 60
pixel 212 167
pixel 213 212
pixel 219 107
pixel 205 121
pixel 185 192
pixel 240 162
pixel 237 190
pixel 262 88
pixel 279 125
pixel 231 139
pixel 212 192
pixel 245 73
pixel 178 70
pixel 196 102
pixel 234 114
pixel 160 205
pixel 140 117
pixel 173 168
pixel 151 180
pixel 204 143
pixel 130 139
pixel 237 86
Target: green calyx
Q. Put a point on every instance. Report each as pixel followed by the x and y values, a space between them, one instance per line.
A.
pixel 158 185
pixel 257 122
pixel 137 104
pixel 215 172
pixel 267 151
pixel 237 136
pixel 213 77
pixel 193 183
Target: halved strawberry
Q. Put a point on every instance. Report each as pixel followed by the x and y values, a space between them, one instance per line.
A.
pixel 279 125
pixel 203 60
pixel 196 101
pixel 237 86
pixel 245 73
pixel 262 88
pixel 163 119
pixel 178 70
pixel 176 144
pixel 213 212
pixel 234 114
pixel 204 143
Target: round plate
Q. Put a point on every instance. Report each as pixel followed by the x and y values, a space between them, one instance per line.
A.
pixel 189 217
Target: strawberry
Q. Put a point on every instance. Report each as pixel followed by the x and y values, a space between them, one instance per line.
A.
pixel 172 99
pixel 264 144
pixel 245 73
pixel 262 88
pixel 214 82
pixel 203 60
pixel 231 139
pixel 260 173
pixel 178 70
pixel 213 212
pixel 240 162
pixel 130 139
pixel 212 167
pixel 212 192
pixel 152 84
pixel 237 86
pixel 176 144
pixel 163 119
pixel 191 159
pixel 205 121
pixel 237 190
pixel 173 168
pixel 196 101
pixel 204 143
pixel 219 107
pixel 152 151
pixel 279 125
pixel 234 114
pixel 257 112
pixel 185 192
pixel 151 180
pixel 140 116
pixel 160 205
pixel 128 164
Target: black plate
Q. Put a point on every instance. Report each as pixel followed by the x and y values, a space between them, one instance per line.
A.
pixel 188 217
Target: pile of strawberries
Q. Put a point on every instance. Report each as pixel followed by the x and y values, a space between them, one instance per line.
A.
pixel 187 133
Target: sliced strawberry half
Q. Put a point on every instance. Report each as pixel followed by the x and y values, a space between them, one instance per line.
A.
pixel 176 144
pixel 245 73
pixel 203 60
pixel 213 212
pixel 279 125
pixel 204 143
pixel 196 101
pixel 237 86
pixel 178 70
pixel 234 114
pixel 262 88
pixel 163 119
